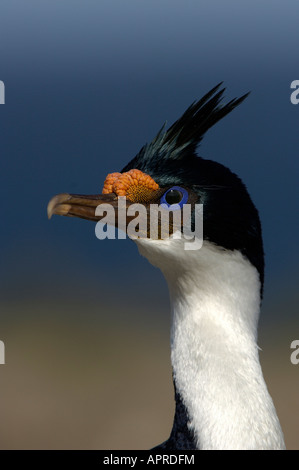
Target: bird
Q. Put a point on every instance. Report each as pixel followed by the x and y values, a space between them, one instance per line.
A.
pixel 221 398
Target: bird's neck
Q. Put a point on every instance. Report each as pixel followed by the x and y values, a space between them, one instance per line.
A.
pixel 215 297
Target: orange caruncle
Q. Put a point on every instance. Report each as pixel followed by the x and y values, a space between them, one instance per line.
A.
pixel 134 184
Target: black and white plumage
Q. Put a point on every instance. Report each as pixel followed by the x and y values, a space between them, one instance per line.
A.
pixel 222 401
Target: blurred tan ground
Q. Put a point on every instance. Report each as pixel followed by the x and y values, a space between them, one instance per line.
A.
pixel 74 384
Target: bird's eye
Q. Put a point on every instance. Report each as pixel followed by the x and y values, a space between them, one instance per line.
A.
pixel 175 196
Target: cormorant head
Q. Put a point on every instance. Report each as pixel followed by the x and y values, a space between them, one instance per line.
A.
pixel 168 170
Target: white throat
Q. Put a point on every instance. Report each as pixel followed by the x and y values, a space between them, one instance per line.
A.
pixel 215 297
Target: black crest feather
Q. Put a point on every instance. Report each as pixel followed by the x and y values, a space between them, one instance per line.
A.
pixel 201 116
pixel 186 133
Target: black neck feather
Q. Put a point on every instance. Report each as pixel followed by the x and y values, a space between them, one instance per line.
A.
pixel 181 437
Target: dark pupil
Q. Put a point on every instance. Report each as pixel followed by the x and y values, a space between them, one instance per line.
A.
pixel 173 196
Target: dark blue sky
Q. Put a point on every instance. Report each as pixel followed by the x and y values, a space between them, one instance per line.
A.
pixel 88 83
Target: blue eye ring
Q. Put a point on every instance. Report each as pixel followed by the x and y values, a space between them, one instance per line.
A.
pixel 177 205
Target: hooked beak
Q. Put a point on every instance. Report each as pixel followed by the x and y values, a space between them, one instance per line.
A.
pixel 84 207
pixel 77 205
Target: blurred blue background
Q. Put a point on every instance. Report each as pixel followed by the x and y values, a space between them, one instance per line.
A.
pixel 86 85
